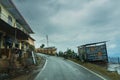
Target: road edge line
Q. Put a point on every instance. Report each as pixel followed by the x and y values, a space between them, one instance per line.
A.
pixel 42 69
pixel 89 70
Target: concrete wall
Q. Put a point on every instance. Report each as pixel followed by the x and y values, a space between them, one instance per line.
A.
pixel 30 41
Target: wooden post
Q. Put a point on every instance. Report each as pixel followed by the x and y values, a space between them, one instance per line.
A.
pixel 9 56
pixel 106 53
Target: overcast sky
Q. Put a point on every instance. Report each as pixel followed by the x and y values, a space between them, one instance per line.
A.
pixel 70 23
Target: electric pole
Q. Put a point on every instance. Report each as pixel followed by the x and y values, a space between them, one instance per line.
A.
pixel 47 40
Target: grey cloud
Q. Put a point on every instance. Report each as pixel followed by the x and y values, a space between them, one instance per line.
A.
pixel 70 23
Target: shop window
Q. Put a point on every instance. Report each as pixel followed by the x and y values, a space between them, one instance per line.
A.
pixel 10 20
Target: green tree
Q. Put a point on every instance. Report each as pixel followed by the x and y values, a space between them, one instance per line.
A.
pixel 61 53
pixel 42 46
pixel 70 53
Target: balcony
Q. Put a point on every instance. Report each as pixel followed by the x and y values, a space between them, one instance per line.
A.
pixel 18 26
pixel 6 19
pixel 10 30
pixel 9 21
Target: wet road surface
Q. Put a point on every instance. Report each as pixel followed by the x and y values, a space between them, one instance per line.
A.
pixel 57 68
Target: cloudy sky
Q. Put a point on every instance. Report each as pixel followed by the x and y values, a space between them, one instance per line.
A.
pixel 70 23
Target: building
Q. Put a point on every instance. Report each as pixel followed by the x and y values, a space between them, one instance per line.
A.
pixel 93 52
pixel 48 50
pixel 14 31
pixel 31 41
pixel 29 46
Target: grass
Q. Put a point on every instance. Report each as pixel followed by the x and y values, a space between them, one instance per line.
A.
pixel 38 60
pixel 100 70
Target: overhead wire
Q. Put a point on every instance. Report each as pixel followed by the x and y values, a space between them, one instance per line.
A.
pixel 29 14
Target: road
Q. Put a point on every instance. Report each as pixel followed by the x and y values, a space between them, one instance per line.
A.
pixel 57 68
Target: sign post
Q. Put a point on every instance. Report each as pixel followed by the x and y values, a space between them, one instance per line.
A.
pixel 33 56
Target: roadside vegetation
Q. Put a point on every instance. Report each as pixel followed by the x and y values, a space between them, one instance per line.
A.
pixel 38 60
pixel 71 55
pixel 99 69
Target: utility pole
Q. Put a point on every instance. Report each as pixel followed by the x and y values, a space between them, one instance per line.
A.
pixel 47 40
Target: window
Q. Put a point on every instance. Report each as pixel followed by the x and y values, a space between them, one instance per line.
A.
pixel 10 20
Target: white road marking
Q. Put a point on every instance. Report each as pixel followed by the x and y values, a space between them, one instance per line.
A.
pixel 42 69
pixel 89 70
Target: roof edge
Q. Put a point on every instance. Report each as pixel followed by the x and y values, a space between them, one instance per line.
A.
pixel 31 31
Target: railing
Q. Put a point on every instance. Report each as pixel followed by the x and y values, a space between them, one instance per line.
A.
pixel 19 26
pixel 114 60
pixel 5 18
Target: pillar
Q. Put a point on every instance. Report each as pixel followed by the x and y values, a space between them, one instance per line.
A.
pixel 0 44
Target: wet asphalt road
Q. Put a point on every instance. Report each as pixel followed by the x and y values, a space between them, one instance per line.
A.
pixel 57 68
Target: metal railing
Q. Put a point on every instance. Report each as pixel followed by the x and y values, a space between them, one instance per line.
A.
pixel 114 60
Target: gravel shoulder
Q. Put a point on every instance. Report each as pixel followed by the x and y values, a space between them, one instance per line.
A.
pixel 33 72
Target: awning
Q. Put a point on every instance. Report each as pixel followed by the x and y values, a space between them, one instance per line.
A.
pixel 9 30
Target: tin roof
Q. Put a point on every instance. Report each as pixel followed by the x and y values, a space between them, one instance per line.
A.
pixel 50 47
pixel 32 38
pixel 93 43
pixel 9 5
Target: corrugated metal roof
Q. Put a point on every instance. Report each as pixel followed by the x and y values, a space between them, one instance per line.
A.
pixel 93 43
pixel 50 47
pixel 9 5
pixel 32 38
